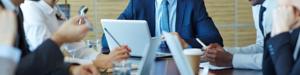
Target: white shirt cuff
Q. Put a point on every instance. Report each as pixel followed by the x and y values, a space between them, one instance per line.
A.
pixel 248 61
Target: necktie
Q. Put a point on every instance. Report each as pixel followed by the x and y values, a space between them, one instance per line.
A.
pixel 261 18
pixel 164 24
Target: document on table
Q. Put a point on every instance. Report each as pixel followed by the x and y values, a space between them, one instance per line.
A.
pixel 211 67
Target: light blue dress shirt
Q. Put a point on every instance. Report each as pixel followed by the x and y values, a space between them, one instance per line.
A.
pixel 172 15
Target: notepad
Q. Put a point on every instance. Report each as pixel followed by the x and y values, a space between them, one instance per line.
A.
pixel 212 67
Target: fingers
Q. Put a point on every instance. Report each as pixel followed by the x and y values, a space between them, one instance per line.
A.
pixel 123 48
pixel 122 57
pixel 121 53
pixel 83 29
pixel 211 53
pixel 94 70
pixel 89 70
pixel 76 20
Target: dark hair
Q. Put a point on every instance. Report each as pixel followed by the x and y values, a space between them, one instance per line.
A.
pixel 1 4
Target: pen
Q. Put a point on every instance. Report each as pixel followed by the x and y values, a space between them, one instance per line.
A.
pixel 202 44
pixel 112 36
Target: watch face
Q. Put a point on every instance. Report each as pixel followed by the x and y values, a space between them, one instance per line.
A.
pixel 8 5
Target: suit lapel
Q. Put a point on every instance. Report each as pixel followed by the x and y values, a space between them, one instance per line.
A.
pixel 181 5
pixel 296 43
pixel 150 15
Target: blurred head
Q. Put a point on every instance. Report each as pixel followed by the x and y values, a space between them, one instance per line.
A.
pixel 256 2
pixel 295 4
pixel 52 3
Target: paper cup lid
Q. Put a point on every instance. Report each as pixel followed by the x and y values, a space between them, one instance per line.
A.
pixel 193 51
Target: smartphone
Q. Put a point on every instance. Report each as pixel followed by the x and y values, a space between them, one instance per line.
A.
pixel 8 4
pixel 82 12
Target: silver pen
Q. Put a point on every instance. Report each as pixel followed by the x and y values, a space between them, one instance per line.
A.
pixel 201 43
pixel 112 37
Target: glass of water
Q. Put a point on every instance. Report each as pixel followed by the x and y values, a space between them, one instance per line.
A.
pixel 121 68
pixel 73 48
pixel 94 44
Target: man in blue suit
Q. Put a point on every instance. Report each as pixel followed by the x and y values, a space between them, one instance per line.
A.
pixel 187 18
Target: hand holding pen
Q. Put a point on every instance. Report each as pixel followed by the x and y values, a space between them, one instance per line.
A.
pixel 115 40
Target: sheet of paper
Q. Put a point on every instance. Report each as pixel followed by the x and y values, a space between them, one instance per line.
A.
pixel 212 67
pixel 205 70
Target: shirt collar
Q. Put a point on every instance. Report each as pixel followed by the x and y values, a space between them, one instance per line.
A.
pixel 171 2
pixel 47 8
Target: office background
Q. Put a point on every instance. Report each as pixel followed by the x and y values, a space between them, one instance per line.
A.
pixel 233 18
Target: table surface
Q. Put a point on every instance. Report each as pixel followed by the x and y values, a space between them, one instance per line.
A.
pixel 167 66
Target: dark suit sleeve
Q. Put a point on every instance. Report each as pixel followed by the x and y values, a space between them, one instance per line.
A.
pixel 204 26
pixel 128 12
pixel 280 50
pixel 46 59
pixel 267 64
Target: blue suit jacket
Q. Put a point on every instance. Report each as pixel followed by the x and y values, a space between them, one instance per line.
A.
pixel 192 20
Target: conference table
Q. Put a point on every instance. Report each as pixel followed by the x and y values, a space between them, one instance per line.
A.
pixel 167 66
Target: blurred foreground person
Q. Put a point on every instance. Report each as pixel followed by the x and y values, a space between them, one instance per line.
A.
pixel 283 46
pixel 48 59
pixel 9 56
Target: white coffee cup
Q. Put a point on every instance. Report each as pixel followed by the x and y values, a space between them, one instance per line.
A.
pixel 193 56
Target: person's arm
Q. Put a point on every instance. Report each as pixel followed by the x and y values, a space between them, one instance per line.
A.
pixel 204 26
pixel 45 59
pixel 48 58
pixel 268 65
pixel 250 49
pixel 281 54
pixel 253 53
pixel 128 12
pixel 34 26
pixel 247 61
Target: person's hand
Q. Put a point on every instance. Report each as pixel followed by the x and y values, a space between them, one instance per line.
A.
pixel 8 27
pixel 216 55
pixel 118 54
pixel 284 19
pixel 182 41
pixel 89 69
pixel 70 32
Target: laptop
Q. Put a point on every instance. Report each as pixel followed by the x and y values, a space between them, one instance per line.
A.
pixel 148 58
pixel 134 33
pixel 180 59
